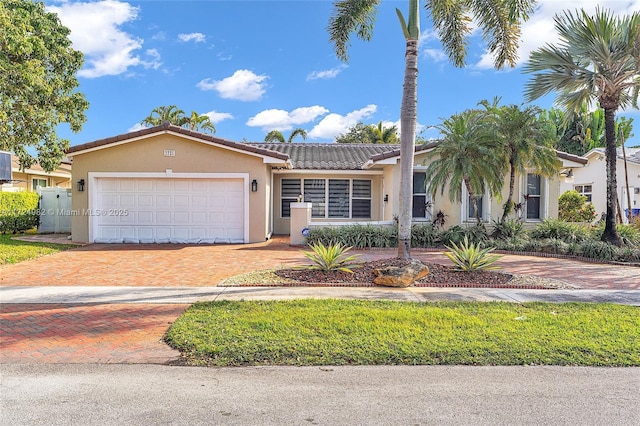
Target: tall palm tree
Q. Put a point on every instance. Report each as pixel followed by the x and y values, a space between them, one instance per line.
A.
pixel 387 135
pixel 468 155
pixel 597 58
pixel 499 21
pixel 525 141
pixel 171 113
pixel 198 122
pixel 277 136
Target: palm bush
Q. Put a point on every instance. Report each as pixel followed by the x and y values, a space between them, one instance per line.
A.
pixel 471 257
pixel 598 250
pixel 507 229
pixel 424 236
pixel 330 258
pixel 567 232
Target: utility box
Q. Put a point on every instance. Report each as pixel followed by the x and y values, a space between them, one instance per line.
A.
pixel 299 223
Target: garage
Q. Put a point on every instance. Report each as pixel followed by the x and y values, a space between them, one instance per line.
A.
pixel 167 209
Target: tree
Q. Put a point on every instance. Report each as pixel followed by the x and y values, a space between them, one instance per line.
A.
pixel 371 133
pixel 37 83
pixel 468 155
pixel 596 59
pixel 171 113
pixel 525 141
pixel 499 22
pixel 277 136
pixel 386 135
pixel 200 123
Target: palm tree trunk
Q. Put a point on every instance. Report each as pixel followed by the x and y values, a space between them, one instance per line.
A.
pixel 508 207
pixel 408 117
pixel 610 234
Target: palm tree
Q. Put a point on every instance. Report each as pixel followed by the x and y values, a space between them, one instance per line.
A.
pixel 277 136
pixel 171 113
pixel 525 141
pixel 596 59
pixel 499 21
pixel 468 155
pixel 387 135
pixel 199 122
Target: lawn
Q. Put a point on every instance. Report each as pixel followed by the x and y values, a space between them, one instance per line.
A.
pixel 14 251
pixel 348 332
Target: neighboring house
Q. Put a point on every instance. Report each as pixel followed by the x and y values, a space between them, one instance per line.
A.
pixel 34 177
pixel 169 184
pixel 591 180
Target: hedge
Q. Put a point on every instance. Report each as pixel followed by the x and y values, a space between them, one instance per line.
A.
pixel 18 211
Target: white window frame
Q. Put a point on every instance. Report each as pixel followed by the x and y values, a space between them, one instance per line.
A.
pixel 544 196
pixel 428 211
pixel 589 194
pixel 486 206
pixel 35 186
pixel 325 204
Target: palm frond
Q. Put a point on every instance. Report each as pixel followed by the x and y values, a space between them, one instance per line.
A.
pixel 348 17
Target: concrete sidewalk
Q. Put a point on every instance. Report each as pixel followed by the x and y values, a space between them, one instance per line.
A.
pixel 187 295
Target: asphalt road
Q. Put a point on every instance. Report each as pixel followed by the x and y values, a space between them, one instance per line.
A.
pixel 47 394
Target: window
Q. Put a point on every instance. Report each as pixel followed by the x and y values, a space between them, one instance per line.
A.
pixel 471 214
pixel 421 201
pixel 586 190
pixel 290 192
pixel 37 183
pixel 361 197
pixel 329 198
pixel 534 196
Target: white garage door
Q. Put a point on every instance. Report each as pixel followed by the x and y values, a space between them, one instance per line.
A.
pixel 149 210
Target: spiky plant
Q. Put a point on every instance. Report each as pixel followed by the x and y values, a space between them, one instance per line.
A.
pixel 471 257
pixel 332 257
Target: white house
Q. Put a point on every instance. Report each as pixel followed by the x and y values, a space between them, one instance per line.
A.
pixel 591 180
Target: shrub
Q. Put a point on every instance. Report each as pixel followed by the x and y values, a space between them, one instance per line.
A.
pixel 424 236
pixel 471 257
pixel 476 234
pixel 554 245
pixel 507 229
pixel 357 236
pixel 573 207
pixel 18 211
pixel 629 235
pixel 330 258
pixel 567 232
pixel 453 235
pixel 598 250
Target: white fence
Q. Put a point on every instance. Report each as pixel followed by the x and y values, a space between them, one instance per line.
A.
pixel 55 210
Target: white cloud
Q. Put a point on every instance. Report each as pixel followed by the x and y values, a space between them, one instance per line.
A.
pixel 335 124
pixel 217 117
pixel 243 85
pixel 277 119
pixel 197 37
pixel 436 55
pixel 95 31
pixel 326 74
pixel 539 29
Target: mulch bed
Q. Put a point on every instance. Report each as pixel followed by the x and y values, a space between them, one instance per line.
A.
pixel 439 276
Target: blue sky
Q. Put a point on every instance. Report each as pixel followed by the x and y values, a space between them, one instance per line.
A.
pixel 256 66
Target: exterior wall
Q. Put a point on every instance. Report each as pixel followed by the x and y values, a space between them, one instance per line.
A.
pixel 147 155
pixel 281 225
pixel 454 211
pixel 26 181
pixel 595 174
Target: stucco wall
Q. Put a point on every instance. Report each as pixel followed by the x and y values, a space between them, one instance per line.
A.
pixel 147 155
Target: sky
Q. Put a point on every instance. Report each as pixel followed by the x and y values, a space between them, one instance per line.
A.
pixel 257 66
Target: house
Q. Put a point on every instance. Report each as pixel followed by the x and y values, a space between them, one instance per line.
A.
pixel 170 184
pixel 591 180
pixel 35 177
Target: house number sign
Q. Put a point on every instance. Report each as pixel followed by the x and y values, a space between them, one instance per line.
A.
pixel 169 152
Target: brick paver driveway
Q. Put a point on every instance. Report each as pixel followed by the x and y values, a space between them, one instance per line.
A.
pixel 166 265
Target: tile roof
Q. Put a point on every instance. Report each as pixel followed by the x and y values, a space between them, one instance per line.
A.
pixel 166 126
pixel 633 154
pixel 328 156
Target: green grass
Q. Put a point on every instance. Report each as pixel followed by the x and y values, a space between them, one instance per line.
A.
pixel 341 332
pixel 14 251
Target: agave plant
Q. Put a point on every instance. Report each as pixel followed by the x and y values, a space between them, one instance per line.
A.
pixel 471 257
pixel 331 258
